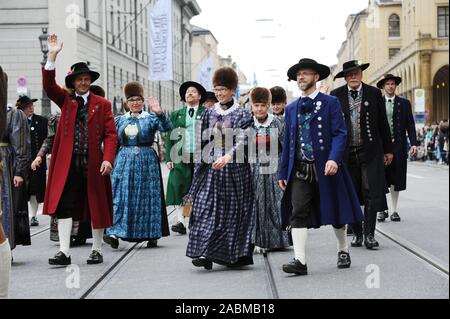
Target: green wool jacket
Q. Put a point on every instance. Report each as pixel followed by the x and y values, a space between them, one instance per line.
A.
pixel 180 178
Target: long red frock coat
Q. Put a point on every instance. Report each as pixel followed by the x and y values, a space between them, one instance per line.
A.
pixel 101 129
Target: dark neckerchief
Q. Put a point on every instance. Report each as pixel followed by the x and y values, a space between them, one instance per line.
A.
pixel 263 121
pixel 227 106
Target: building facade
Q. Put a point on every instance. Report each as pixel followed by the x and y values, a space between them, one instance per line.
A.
pixel 407 38
pixel 110 35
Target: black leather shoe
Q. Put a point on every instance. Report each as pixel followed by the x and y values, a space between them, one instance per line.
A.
pixel 60 259
pixel 295 267
pixel 95 258
pixel 202 262
pixel 152 243
pixel 34 222
pixel 179 228
pixel 357 241
pixel 381 216
pixel 343 260
pixel 395 217
pixel 370 242
pixel 113 242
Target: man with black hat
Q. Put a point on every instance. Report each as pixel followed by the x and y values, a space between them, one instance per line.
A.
pixel 211 99
pixel 369 146
pixel 84 149
pixel 180 147
pixel 401 121
pixel 318 187
pixel 37 178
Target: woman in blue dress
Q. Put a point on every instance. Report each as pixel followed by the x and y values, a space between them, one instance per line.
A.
pixel 138 197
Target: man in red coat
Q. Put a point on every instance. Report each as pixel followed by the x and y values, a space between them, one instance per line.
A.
pixel 79 186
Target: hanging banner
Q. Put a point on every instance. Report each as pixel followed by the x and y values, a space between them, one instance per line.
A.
pixel 160 41
pixel 205 73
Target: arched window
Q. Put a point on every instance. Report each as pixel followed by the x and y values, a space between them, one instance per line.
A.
pixel 394 25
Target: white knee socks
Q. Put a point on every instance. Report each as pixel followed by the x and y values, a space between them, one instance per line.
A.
pixel 34 205
pixel 299 237
pixel 64 230
pixel 97 235
pixel 394 196
pixel 5 268
pixel 341 235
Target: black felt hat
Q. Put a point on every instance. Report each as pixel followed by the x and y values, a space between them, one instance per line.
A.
pixel 23 101
pixel 322 70
pixel 201 90
pixel 80 68
pixel 388 77
pixel 350 66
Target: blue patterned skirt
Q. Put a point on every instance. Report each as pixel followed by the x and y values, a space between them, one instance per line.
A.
pixel 222 215
pixel 138 199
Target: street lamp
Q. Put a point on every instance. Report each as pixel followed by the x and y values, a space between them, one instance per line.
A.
pixel 45 102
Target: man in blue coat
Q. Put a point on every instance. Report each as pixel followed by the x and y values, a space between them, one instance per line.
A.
pixel 318 188
pixel 401 121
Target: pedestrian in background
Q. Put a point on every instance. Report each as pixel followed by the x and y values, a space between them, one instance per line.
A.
pixel 138 193
pixel 37 179
pixel 401 123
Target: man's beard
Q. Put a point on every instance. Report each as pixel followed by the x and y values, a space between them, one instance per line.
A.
pixel 307 86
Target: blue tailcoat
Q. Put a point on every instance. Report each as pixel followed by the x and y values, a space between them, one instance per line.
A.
pixel 338 204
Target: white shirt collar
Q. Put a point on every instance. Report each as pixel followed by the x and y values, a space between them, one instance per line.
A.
pixel 266 123
pixel 222 112
pixel 84 96
pixel 312 96
pixel 358 89
pixel 389 98
pixel 140 116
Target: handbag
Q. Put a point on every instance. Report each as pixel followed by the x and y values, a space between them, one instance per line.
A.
pixel 187 206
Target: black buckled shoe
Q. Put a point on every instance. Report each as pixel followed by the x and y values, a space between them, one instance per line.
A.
pixel 395 217
pixel 95 258
pixel 370 242
pixel 357 241
pixel 344 260
pixel 202 262
pixel 113 242
pixel 179 228
pixel 152 243
pixel 381 216
pixel 34 222
pixel 60 259
pixel 295 267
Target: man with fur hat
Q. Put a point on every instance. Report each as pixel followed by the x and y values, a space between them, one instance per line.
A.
pixel 401 121
pixel 84 149
pixel 369 146
pixel 37 179
pixel 180 147
pixel 279 101
pixel 318 187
